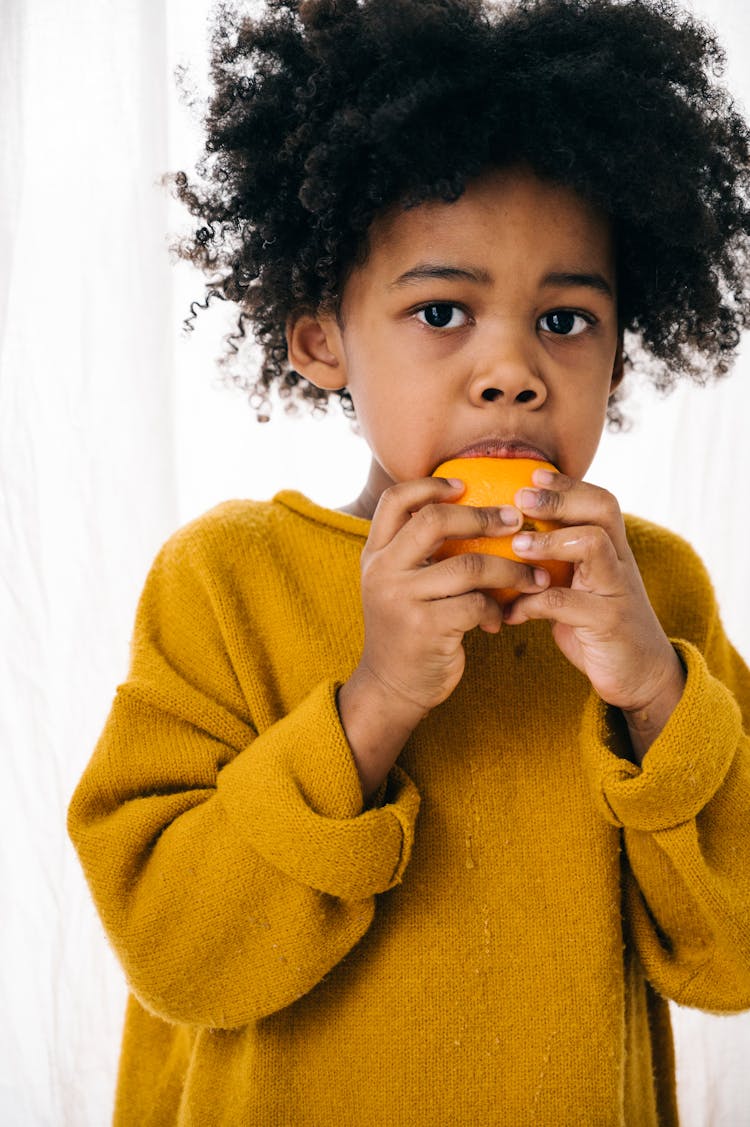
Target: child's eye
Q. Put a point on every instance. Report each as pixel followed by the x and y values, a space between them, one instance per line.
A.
pixel 562 322
pixel 442 315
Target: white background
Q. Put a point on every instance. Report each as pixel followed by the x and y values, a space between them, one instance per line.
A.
pixel 114 431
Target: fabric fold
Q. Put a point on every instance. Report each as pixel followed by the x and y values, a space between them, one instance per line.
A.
pixel 302 810
pixel 684 767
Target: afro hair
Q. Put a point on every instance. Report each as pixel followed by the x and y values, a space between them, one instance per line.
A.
pixel 323 113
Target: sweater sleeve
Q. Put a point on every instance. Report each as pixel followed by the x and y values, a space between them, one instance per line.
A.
pixel 232 867
pixel 684 817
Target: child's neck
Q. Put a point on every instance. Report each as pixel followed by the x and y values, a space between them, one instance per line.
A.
pixel 365 505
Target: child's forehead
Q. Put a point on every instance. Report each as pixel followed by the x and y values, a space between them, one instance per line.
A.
pixel 503 216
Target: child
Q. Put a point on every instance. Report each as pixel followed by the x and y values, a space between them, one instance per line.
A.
pixel 362 863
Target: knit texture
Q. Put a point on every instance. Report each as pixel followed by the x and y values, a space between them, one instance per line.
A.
pixel 490 943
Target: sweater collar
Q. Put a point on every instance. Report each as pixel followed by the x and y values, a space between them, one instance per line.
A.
pixel 330 518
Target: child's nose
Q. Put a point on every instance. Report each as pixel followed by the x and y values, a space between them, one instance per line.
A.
pixel 510 382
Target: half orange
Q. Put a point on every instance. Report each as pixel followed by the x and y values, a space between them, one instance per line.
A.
pixel 495 481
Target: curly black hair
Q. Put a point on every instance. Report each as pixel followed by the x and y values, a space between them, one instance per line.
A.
pixel 325 112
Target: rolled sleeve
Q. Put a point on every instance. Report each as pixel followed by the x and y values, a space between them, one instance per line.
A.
pixel 684 767
pixel 295 795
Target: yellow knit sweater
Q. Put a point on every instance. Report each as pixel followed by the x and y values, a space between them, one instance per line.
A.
pixel 491 943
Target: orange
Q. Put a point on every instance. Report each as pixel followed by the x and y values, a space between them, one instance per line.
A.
pixel 495 481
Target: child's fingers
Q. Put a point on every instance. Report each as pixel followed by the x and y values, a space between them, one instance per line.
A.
pixel 472 571
pixel 589 547
pixel 561 498
pixel 464 612
pixel 558 604
pixel 397 504
pixel 428 528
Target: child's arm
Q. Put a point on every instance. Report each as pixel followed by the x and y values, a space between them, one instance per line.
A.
pixel 684 810
pixel 227 850
pixel 228 854
pixel 686 830
pixel 604 623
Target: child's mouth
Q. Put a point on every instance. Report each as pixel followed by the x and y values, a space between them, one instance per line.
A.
pixel 499 448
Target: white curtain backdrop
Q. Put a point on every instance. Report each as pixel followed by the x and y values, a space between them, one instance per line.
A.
pixel 114 431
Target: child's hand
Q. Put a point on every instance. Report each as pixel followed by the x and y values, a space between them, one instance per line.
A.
pixel 604 623
pixel 416 613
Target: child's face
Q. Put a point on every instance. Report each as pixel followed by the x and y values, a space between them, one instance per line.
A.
pixel 464 331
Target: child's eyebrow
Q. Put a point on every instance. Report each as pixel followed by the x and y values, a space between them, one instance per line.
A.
pixel 592 281
pixel 428 270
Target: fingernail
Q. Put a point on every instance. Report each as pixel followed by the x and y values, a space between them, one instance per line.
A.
pixel 522 541
pixel 544 477
pixel 509 515
pixel 454 482
pixel 541 577
pixel 529 498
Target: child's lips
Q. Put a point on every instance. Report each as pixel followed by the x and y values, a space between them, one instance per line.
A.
pixel 498 448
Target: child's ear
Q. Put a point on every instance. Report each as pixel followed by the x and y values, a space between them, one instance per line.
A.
pixel 316 350
pixel 618 370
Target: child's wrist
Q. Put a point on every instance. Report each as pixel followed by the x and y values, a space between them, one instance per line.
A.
pixel 377 722
pixel 647 721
